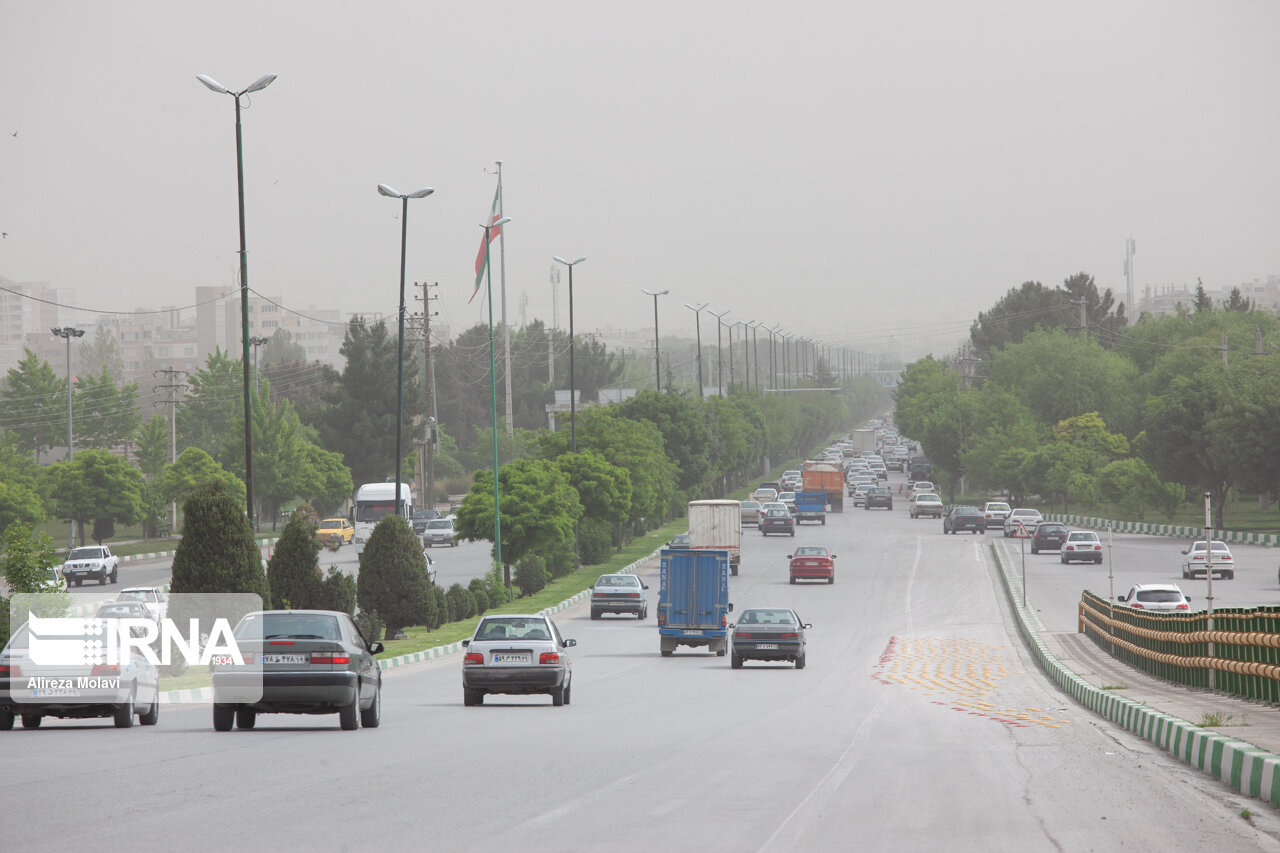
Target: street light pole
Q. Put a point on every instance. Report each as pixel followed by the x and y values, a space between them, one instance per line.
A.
pixel 493 394
pixel 67 333
pixel 719 351
pixel 257 341
pixel 697 319
pixel 657 363
pixel 257 86
pixel 573 402
pixel 387 191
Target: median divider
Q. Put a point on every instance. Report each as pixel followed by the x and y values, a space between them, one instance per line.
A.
pixel 1242 766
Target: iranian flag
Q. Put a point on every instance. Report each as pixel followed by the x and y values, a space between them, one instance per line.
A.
pixel 482 257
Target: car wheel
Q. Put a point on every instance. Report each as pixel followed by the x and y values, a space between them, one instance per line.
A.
pixel 595 614
pixel 642 615
pixel 77 581
pixel 348 715
pixel 371 717
pixel 153 713
pixel 666 653
pixel 793 533
pixel 472 697
pixel 831 579
pixel 245 718
pixel 800 662
pixel 557 696
pixel 115 574
pixel 1034 550
pixel 6 721
pixel 124 714
pixel 793 580
pixel 29 721
pixel 223 717
pixel 720 652
pixel 102 579
pixel 735 660
pixel 1229 575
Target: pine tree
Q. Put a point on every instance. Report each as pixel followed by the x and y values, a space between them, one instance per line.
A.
pixel 218 553
pixel 293 571
pixel 393 583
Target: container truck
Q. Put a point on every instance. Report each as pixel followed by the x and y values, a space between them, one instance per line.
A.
pixel 825 477
pixel 863 439
pixel 717 525
pixel 693 599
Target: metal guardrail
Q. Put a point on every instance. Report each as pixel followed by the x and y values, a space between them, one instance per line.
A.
pixel 1179 531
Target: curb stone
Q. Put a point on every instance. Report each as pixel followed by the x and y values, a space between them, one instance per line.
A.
pixel 1240 765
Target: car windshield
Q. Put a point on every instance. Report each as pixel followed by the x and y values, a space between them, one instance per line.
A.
pixel 85 554
pixel 331 524
pixel 294 626
pixel 1159 595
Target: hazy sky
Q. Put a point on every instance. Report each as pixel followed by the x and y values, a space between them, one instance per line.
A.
pixel 871 174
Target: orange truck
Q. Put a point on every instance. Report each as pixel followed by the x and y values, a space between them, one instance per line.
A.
pixel 824 477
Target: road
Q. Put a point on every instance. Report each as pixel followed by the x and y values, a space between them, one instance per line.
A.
pixel 919 724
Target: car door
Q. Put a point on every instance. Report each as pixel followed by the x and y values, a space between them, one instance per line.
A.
pixel 370 673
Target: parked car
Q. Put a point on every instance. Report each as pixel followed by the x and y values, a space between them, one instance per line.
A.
pixel 995 512
pixel 878 496
pixel 306 662
pixel 811 563
pixel 1049 536
pixel 778 521
pixel 751 513
pixel 338 531
pixel 517 653
pixel 93 561
pixel 120 691
pixel 926 504
pixel 152 597
pixel 1028 518
pixel 440 531
pixel 1158 597
pixel 769 634
pixel 968 518
pixel 1082 545
pixel 1193 560
pixel 619 594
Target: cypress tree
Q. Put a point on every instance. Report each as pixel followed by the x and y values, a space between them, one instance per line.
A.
pixel 217 553
pixel 393 583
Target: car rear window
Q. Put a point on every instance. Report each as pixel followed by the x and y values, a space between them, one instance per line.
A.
pixel 297 626
pixel 1159 595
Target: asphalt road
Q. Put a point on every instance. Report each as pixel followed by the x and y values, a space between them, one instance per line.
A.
pixel 919 724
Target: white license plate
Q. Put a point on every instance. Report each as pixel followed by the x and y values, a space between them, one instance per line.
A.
pixel 763 646
pixel 691 633
pixel 286 659
pixel 509 658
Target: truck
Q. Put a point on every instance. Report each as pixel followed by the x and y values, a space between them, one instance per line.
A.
pixel 373 501
pixel 94 561
pixel 863 439
pixel 693 599
pixel 919 468
pixel 824 477
pixel 811 506
pixel 717 525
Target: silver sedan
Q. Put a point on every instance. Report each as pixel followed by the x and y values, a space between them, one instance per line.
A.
pixel 517 653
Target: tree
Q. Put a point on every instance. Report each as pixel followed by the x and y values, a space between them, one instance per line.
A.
pixel 393 583
pixel 151 447
pixel 106 415
pixel 293 572
pixel 95 485
pixel 1236 301
pixel 329 483
pixel 682 423
pixel 194 470
pixel 1020 311
pixel 360 420
pixel 211 416
pixel 217 552
pixel 1132 486
pixel 281 349
pixel 26 558
pixel 1203 302
pixel 1177 441
pixel 539 508
pixel 19 503
pixel 280 470
pixel 34 405
pixel 1244 428
pixel 101 354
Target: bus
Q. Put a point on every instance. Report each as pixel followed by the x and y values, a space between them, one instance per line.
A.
pixel 373 501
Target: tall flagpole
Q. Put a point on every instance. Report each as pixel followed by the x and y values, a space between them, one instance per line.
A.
pixel 506 330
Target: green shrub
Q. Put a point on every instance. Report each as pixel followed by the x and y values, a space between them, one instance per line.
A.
pixel 462 604
pixel 530 574
pixel 595 541
pixel 371 626
pixel 479 591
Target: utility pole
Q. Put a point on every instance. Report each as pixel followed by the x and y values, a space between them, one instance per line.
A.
pixel 172 388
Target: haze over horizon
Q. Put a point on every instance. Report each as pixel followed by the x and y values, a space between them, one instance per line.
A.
pixel 865 174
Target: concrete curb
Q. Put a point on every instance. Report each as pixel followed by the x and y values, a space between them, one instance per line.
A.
pixel 1242 766
pixel 1177 531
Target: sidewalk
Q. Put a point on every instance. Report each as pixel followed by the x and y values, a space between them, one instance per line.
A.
pixel 1243 751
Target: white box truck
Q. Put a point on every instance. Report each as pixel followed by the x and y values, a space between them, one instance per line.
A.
pixel 717 525
pixel 863 439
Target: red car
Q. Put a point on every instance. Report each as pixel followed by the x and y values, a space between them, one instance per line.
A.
pixel 812 563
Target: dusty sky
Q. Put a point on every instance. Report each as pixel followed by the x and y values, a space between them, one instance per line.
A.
pixel 869 174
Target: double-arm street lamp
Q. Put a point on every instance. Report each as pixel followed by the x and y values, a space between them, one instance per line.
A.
pixel 383 189
pixel 697 318
pixel 257 341
pixel 493 390
pixel 67 333
pixel 719 350
pixel 573 403
pixel 657 363
pixel 257 86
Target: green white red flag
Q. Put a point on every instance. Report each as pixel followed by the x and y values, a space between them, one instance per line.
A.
pixel 482 257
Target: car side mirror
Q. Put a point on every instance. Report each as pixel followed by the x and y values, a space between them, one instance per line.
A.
pixel 732 626
pixel 568 643
pixel 808 624
pixel 833 556
pixel 730 606
pixel 645 585
pixel 790 557
pixel 376 648
pixel 466 643
pixel 1184 552
pixel 1121 598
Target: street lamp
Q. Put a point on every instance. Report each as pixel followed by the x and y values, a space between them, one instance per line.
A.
pixel 256 342
pixel 697 316
pixel 657 363
pixel 754 325
pixel 737 323
pixel 573 403
pixel 383 189
pixel 67 332
pixel 719 351
pixel 257 86
pixel 493 388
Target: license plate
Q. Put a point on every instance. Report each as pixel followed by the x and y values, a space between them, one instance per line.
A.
pixel 691 633
pixel 285 659
pixel 763 646
pixel 509 658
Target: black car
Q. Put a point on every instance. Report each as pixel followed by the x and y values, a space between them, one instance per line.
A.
pixel 964 518
pixel 1049 536
pixel 878 496
pixel 299 662
pixel 778 521
pixel 421 517
pixel 768 633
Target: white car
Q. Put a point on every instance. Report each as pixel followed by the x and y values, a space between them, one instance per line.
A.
pixel 1193 560
pixel 152 597
pixel 1157 597
pixel 1082 545
pixel 995 512
pixel 919 486
pixel 440 532
pixel 54 580
pixel 926 503
pixel 1029 518
pixel 93 561
pixel 516 653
